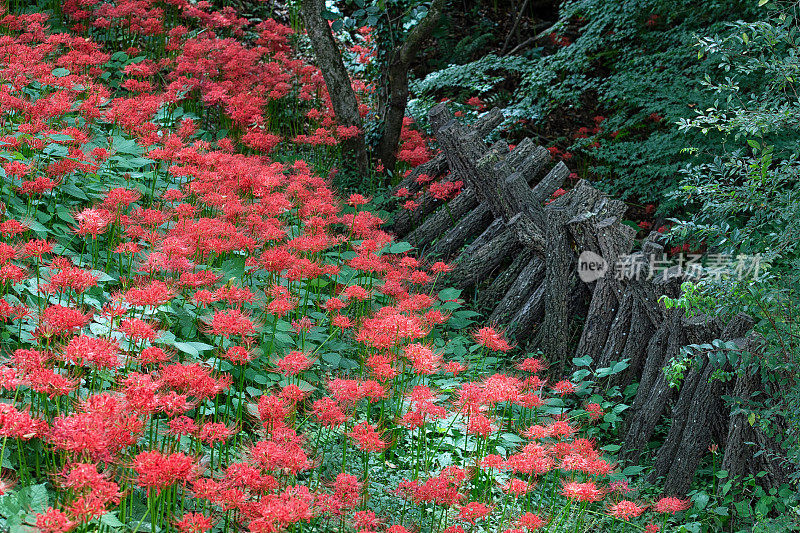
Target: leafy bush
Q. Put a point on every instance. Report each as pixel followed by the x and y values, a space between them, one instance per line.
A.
pixel 746 203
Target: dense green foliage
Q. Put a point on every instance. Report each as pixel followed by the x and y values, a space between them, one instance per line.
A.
pixel 747 201
pixel 634 63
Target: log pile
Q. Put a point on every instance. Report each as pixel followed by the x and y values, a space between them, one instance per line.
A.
pixel 505 235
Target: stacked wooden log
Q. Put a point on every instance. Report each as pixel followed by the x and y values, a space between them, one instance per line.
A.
pixel 505 235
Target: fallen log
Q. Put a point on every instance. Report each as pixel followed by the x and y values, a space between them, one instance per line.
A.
pixel 747 449
pixel 559 267
pixel 449 215
pixel 472 224
pixel 523 325
pixel 505 281
pixel 525 284
pixel 480 261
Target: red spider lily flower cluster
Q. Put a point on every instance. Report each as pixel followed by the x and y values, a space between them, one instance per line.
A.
pixel 211 340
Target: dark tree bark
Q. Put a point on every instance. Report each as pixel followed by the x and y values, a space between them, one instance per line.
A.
pixel 558 268
pixel 394 92
pixel 329 60
pixel 743 439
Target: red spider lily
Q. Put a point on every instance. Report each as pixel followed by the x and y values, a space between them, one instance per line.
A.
pixel 138 330
pixel 238 355
pixel 58 319
pixel 625 510
pixel 531 522
pixel 474 511
pixel 283 451
pixel 18 424
pixel 153 355
pixel 156 471
pixel 595 411
pixel 71 278
pixel 54 521
pixel 91 222
pixel 213 432
pixel 367 438
pixel 194 523
pixel 231 322
pixel 153 294
pixel 531 364
pixel 564 387
pixel 491 339
pixel 585 492
pixel 670 505
pixel 328 412
pixel 102 353
pixel 441 490
pixel 294 363
pixel 424 360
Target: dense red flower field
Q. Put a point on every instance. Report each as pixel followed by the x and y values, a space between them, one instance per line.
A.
pixel 199 335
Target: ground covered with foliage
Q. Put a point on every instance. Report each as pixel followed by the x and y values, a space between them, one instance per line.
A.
pixel 199 333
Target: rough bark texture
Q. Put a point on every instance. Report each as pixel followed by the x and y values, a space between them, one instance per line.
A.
pixel 434 226
pixel 487 256
pixel 654 393
pixel 558 269
pixel 406 220
pixel 609 239
pixel 524 324
pixel 343 98
pixel 506 281
pixel 698 413
pixel 743 440
pixel 520 291
pixel 474 223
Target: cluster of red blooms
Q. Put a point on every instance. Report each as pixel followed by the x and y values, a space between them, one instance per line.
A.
pixel 228 422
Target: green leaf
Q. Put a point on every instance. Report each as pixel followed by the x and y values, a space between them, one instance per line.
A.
pixel 332 359
pixel 400 248
pixel 633 470
pixel 511 437
pixel 619 367
pixel 449 294
pixel 111 520
pixel 701 500
pixel 193 348
pixel 60 72
pixel 74 191
pixel 39 499
pixel 37 227
pixel 126 146
pixel 586 360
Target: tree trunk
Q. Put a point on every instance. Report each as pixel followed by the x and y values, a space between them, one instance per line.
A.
pixel 329 60
pixel 395 86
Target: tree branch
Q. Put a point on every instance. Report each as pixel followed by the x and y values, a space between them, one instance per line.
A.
pixel 420 32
